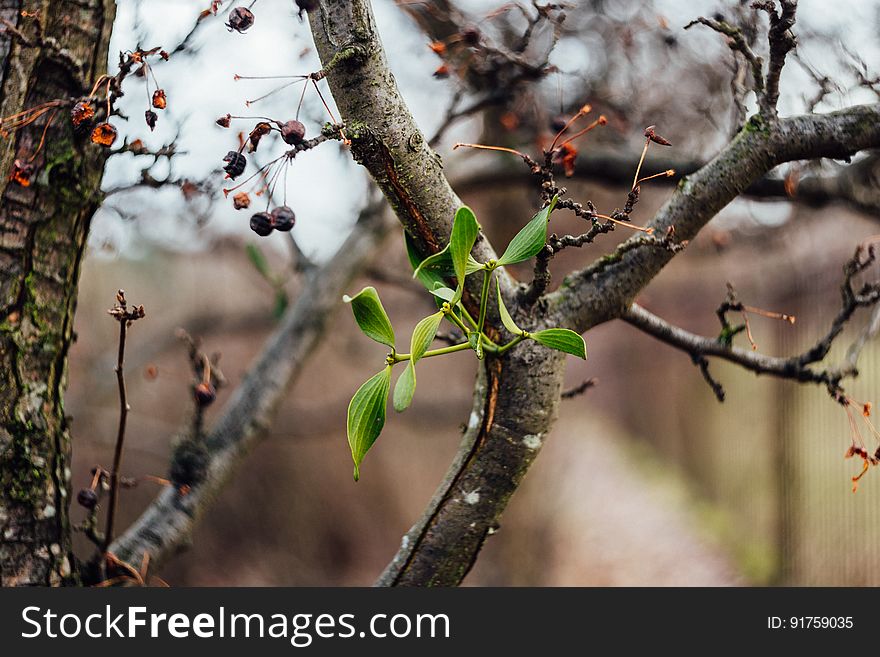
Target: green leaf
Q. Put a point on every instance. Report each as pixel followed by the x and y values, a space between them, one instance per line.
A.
pixel 366 416
pixel 427 276
pixel 281 303
pixel 530 240
pixel 371 316
pixel 472 265
pixel 562 340
pixel 405 388
pixel 258 260
pixel 476 343
pixel 443 292
pixel 423 335
pixel 506 319
pixel 464 233
pixel 437 262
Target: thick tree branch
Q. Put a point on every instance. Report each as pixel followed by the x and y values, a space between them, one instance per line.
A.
pixel 606 288
pixel 518 394
pixel 165 527
pixel 857 185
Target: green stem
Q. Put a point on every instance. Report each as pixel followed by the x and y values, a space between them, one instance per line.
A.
pixel 484 299
pixel 467 316
pixel 397 358
pixel 452 317
pixel 502 349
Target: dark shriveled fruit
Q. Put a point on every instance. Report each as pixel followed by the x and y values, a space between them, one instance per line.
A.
pixel 261 224
pixel 283 218
pixel 87 498
pixel 240 19
pixel 293 132
pixel 205 394
pixel 235 164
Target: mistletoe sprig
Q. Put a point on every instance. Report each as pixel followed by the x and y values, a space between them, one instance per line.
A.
pixel 367 409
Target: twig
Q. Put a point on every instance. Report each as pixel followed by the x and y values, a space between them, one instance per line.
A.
pixel 737 43
pixel 124 315
pixel 781 42
pixel 796 367
pixel 578 390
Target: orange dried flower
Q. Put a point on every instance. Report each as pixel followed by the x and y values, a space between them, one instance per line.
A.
pixel 567 156
pixel 21 173
pixel 81 112
pixel 241 201
pixel 442 72
pixel 160 101
pixel 438 47
pixel 104 134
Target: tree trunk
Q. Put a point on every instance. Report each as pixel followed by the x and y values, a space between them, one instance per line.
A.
pixel 43 230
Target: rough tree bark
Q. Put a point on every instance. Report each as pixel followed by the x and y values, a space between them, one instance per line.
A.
pixel 43 231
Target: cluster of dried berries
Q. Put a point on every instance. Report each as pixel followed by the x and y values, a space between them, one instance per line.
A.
pixel 292 132
pixel 281 219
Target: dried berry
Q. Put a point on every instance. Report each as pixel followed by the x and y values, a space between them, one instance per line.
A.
pixel 241 201
pixel 87 498
pixel 160 100
pixel 151 118
pixel 205 394
pixel 81 112
pixel 240 19
pixel 104 134
pixel 283 218
pixel 224 121
pixel 261 224
pixel 257 134
pixel 471 35
pixel 293 132
pixel 558 122
pixel 235 164
pixel 21 173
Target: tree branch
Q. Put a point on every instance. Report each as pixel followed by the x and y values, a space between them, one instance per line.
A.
pixel 606 288
pixel 517 395
pixel 165 527
pixel 798 367
pixel 854 185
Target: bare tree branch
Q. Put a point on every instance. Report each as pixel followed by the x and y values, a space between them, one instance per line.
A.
pixel 781 42
pixel 606 288
pixel 798 367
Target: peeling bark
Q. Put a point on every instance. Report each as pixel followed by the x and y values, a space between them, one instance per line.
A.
pixel 43 230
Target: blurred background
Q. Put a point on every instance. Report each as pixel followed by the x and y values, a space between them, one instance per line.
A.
pixel 646 479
